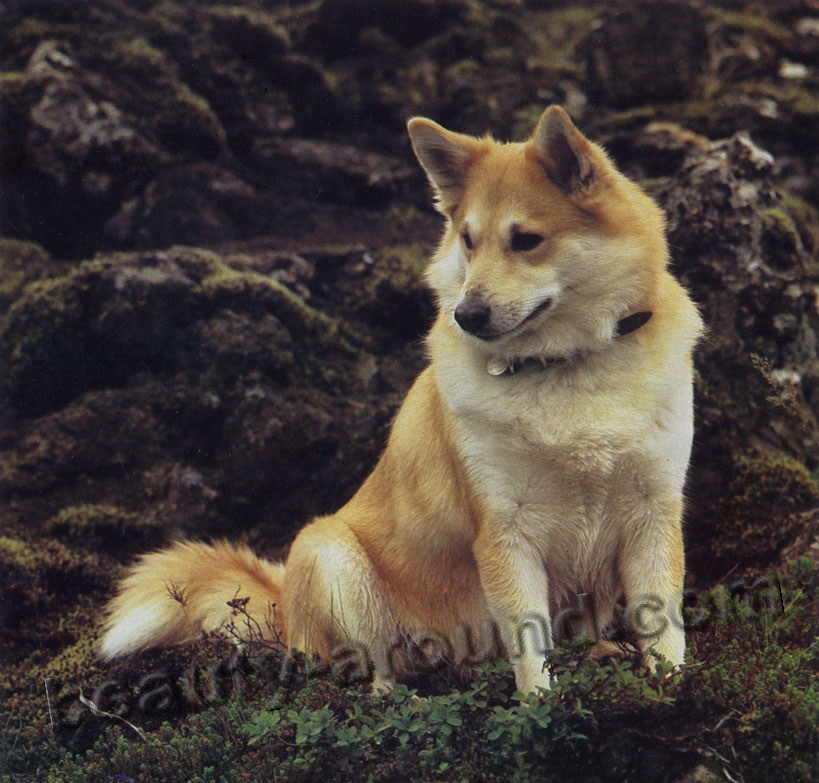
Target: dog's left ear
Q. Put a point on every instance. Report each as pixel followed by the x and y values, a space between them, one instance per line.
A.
pixel 568 156
pixel 445 156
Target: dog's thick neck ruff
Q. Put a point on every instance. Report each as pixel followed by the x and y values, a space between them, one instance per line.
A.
pixel 500 367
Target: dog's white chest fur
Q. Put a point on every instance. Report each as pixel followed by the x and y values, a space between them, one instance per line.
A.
pixel 567 465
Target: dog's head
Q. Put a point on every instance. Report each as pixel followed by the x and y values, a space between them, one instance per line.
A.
pixel 547 245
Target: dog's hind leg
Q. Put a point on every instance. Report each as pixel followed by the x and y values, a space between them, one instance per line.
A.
pixel 335 601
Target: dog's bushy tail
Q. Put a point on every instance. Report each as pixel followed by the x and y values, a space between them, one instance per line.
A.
pixel 172 596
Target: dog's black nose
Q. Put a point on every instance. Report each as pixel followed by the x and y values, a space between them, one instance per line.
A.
pixel 472 314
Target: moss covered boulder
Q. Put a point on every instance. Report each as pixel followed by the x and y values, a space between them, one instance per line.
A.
pixel 741 253
pixel 204 385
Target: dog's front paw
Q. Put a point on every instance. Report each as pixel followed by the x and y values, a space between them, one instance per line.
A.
pixel 532 676
pixel 381 685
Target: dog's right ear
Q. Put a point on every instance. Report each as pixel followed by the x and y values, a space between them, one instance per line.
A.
pixel 446 158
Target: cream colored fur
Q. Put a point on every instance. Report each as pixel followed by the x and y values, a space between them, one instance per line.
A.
pixel 499 498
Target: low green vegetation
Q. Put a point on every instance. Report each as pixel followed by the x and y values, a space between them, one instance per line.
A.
pixel 747 701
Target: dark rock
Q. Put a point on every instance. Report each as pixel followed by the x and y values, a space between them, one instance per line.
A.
pixel 20 264
pixel 743 46
pixel 740 253
pixel 315 105
pixel 100 435
pixel 105 526
pixel 71 155
pixel 657 149
pixel 234 344
pixel 199 203
pixel 211 395
pixel 99 324
pixel 276 447
pixel 73 134
pixel 644 52
pixel 340 22
pixel 336 172
pixel 255 35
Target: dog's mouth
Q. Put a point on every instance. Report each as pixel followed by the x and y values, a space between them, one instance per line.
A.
pixel 541 308
pixel 492 336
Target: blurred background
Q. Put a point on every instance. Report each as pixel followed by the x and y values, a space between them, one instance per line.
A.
pixel 212 243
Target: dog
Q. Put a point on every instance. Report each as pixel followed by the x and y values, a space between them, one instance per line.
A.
pixel 541 454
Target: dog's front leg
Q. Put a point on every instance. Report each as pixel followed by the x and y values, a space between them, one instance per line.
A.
pixel 652 567
pixel 517 590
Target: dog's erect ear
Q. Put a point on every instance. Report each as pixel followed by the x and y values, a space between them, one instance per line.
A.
pixel 445 156
pixel 567 155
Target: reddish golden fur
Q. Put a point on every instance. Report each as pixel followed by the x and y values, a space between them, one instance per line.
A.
pixel 498 498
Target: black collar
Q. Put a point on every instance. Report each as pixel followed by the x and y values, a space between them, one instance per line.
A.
pixel 631 323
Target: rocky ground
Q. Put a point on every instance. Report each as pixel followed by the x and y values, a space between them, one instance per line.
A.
pixel 211 296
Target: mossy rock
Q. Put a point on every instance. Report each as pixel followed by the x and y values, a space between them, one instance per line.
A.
pixel 255 35
pixel 799 102
pixel 257 294
pixel 59 339
pixel 806 217
pixel 764 504
pixel 21 263
pixel 39 578
pixel 781 236
pixel 396 295
pixel 104 526
pixel 119 315
pixel 40 350
pixel 182 119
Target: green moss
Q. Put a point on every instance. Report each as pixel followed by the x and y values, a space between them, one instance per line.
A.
pixel 16 553
pixel 20 264
pixel 41 583
pixel 256 293
pixel 764 502
pixel 800 101
pixel 781 232
pixel 755 24
pixel 81 331
pixel 77 662
pixel 45 559
pixel 40 342
pixel 403 265
pixel 572 16
pixel 559 33
pixel 805 216
pixel 182 119
pixel 629 117
pixel 772 482
pixel 395 296
pixel 100 525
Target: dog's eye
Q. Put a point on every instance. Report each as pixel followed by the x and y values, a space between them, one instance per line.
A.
pixel 467 240
pixel 523 241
